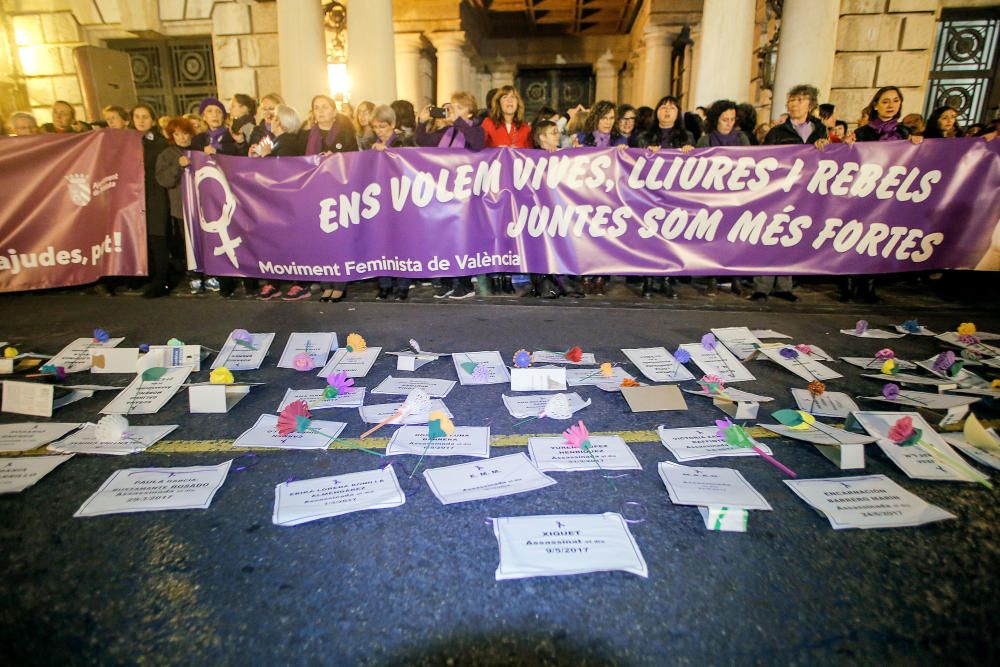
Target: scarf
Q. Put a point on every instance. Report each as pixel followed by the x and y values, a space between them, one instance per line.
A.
pixel 601 139
pixel 665 134
pixel 888 130
pixel 215 136
pixel 317 141
pixel 452 138
pixel 731 139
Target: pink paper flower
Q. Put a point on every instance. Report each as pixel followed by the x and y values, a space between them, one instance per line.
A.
pixel 885 353
pixel 902 430
pixel 803 348
pixel 574 354
pixel 295 418
pixel 303 362
pixel 577 436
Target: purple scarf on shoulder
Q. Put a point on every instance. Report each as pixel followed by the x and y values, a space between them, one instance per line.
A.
pixel 452 138
pixel 717 139
pixel 215 136
pixel 888 130
pixel 316 139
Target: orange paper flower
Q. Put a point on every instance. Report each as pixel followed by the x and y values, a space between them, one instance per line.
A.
pixel 629 382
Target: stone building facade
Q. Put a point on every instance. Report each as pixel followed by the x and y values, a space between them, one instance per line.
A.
pixel 422 50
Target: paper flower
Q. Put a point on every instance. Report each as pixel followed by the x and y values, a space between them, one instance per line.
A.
pixel 355 343
pixel 970 355
pixel 803 348
pixel 943 361
pixel 303 362
pixel 789 353
pixel 682 356
pixel 154 373
pixel 712 384
pixel 903 433
pixel 733 434
pixel 242 337
pixel 557 407
pixel 911 326
pixel 101 336
pixel 956 368
pixel 629 382
pixel 481 373
pixel 606 370
pixel 9 352
pixel 795 419
pixel 966 329
pixel 577 436
pixel 338 384
pixel 860 327
pixel 816 388
pixel 885 353
pixel 295 418
pixel 439 425
pixel 574 354
pixel 995 385
pixel 522 359
pixel 968 339
pixel 708 341
pixel 111 428
pixel 58 372
pixel 890 391
pixel 221 375
pixel 889 367
pixel 175 342
pixel 417 401
pixel 144 347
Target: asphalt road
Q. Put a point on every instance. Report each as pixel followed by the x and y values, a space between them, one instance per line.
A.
pixel 415 584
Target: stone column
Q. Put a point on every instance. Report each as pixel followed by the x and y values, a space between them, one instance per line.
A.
pixel 723 69
pixel 806 50
pixel 450 64
pixel 369 43
pixel 408 67
pixel 656 64
pixel 606 80
pixel 302 52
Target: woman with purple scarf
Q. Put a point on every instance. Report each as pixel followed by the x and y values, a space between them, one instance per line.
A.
pixel 720 126
pixel 600 129
pixel 331 132
pixel 217 138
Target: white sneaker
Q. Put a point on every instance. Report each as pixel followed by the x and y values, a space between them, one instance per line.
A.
pixel 212 285
pixel 196 287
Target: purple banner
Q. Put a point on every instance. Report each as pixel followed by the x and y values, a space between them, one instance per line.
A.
pixel 72 210
pixel 867 208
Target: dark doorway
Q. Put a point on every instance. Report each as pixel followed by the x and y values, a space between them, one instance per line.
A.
pixel 171 76
pixel 561 87
pixel 965 72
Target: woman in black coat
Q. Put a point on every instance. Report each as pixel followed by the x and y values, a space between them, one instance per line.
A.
pixel 157 202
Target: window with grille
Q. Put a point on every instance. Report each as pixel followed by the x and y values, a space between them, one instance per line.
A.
pixel 964 73
pixel 171 76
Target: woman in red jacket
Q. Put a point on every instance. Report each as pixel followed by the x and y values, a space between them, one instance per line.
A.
pixel 505 125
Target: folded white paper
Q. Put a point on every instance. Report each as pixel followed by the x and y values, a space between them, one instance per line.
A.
pixel 538 379
pixel 871 333
pixel 827 404
pixel 718 361
pixel 310 499
pixel 238 357
pixel 465 441
pixel 702 442
pixel 802 365
pixel 354 364
pixel 114 360
pixel 19 473
pixel 215 398
pixel 492 478
pixel 25 436
pixel 522 407
pixel 555 545
pixel 469 366
pixel 167 356
pixel 551 357
pixel 75 357
pixel 153 489
pixel 146 397
pixel 606 452
pixel 264 433
pixel 740 340
pixel 373 414
pixel 725 519
pixel 692 485
pixel 914 460
pixel 581 377
pixel 872 364
pixel 138 438
pixel 435 388
pixel 316 344
pixel 314 397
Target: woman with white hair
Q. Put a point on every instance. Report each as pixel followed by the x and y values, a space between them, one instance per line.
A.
pixel 284 125
pixel 23 124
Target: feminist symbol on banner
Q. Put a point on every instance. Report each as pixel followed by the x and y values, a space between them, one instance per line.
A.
pixel 220 226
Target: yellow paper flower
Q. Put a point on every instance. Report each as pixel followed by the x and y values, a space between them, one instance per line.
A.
pixel 888 366
pixel 221 375
pixel 606 369
pixel 9 352
pixel 966 329
pixel 807 421
pixel 355 343
pixel 995 386
pixel 444 422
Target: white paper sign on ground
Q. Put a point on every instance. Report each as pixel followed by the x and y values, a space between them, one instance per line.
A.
pixel 207 398
pixel 556 545
pixel 495 368
pixel 410 361
pixel 701 442
pixel 913 460
pixel 155 489
pixel 171 355
pixel 963 378
pixel 373 414
pixel 114 360
pixel 710 487
pixel 872 333
pixel 870 501
pixel 952 338
pixel 552 357
pixel 316 344
pixel 847 454
pixel 921 331
pixel 978 455
pixel 718 361
pixel 146 397
pixel 85 440
pixel 492 478
pixel 323 497
pixel 522 407
pixel 465 441
pixel 434 387
pixel 803 365
pixel 264 433
pixel 725 519
pixel 733 394
pixel 238 357
pixel 872 364
pixel 582 377
pixel 34 399
pixel 740 340
pixel 657 364
pixel 827 404
pixel 538 379
pixel 314 397
pixel 909 378
pixel 19 473
pixel 75 357
pixel 354 364
pixel 25 436
pixel 927 400
pixel 768 333
pixel 607 452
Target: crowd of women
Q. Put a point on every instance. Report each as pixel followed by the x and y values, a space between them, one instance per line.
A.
pixel 269 128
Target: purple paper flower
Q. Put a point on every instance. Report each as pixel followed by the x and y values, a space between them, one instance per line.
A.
pixel 861 327
pixel 789 353
pixel 944 361
pixel 682 356
pixel 101 336
pixel 891 391
pixel 968 339
pixel 708 341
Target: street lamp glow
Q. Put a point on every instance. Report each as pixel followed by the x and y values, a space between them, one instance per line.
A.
pixel 340 83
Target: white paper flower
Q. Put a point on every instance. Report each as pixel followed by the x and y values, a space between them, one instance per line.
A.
pixel 112 428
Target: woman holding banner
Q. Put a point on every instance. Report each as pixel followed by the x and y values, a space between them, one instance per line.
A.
pixel 382 121
pixel 157 202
